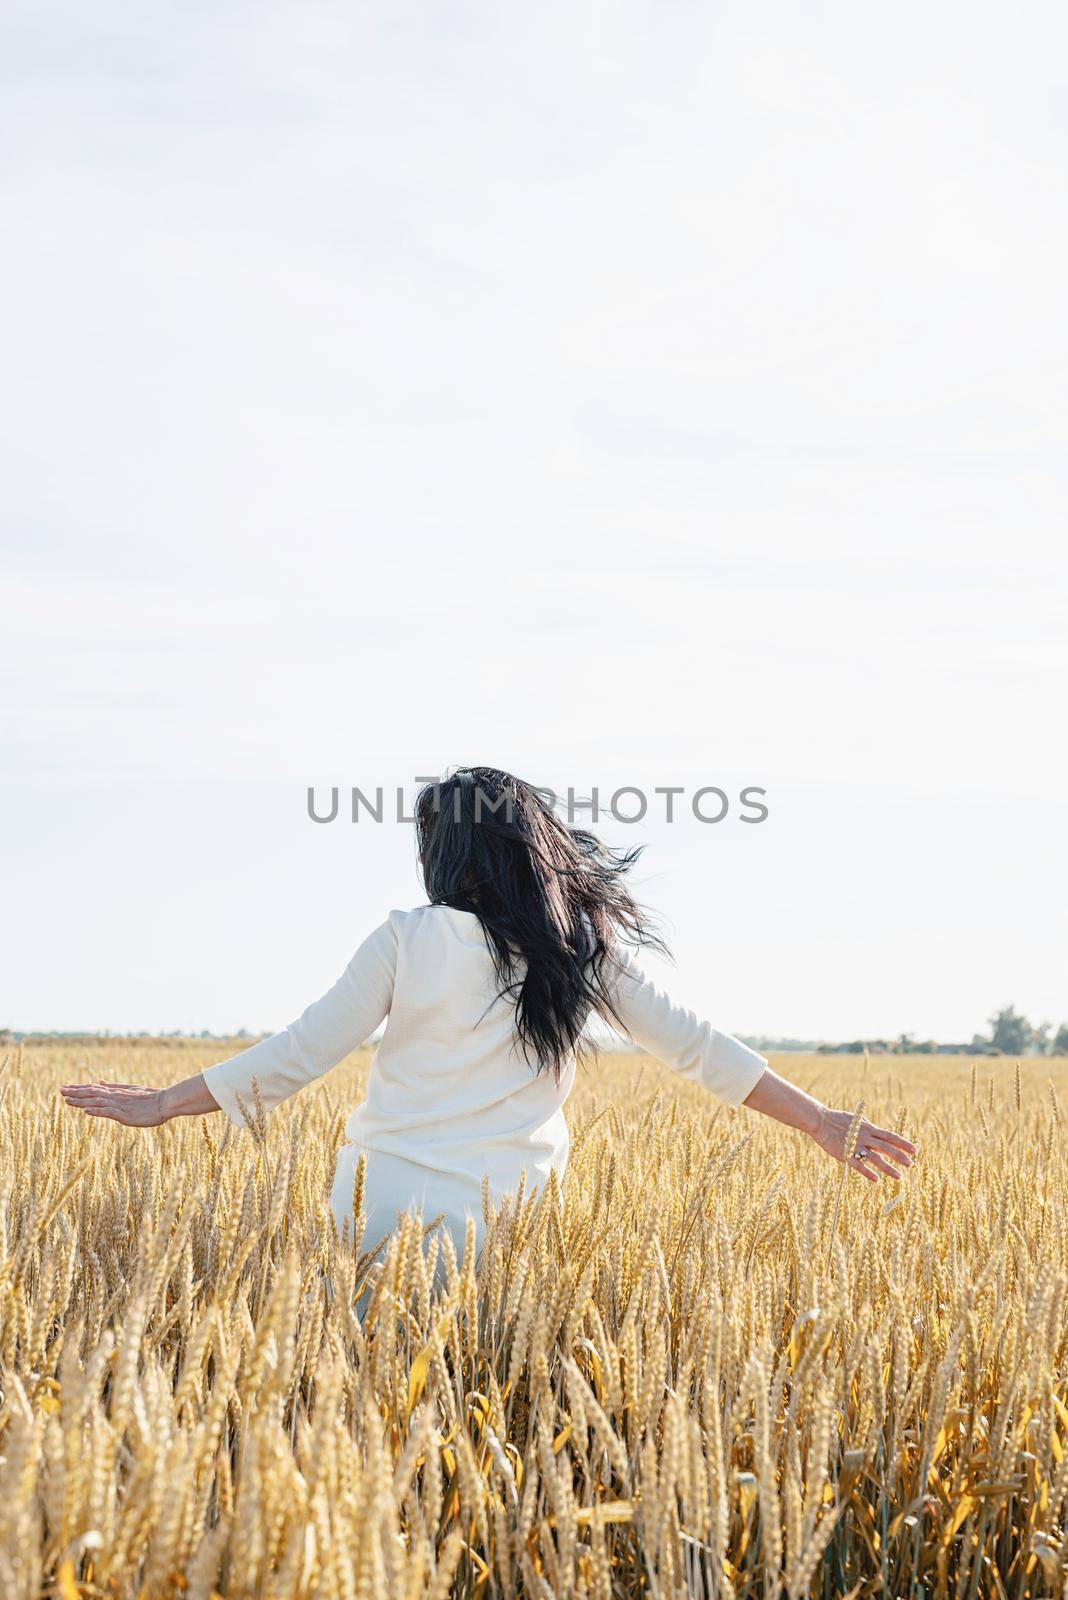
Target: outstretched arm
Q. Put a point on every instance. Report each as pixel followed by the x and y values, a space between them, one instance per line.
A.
pixel 739 1075
pixel 321 1037
pixel 142 1108
pixel 874 1148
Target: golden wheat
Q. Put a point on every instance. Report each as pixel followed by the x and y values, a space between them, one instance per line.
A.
pixel 703 1367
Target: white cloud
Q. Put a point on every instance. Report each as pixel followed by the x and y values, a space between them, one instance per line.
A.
pixel 672 389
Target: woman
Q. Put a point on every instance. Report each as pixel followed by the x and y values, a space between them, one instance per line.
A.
pixel 528 930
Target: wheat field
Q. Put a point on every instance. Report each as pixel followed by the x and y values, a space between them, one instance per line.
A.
pixel 707 1366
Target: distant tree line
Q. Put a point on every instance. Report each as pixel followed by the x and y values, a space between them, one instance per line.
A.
pixel 1010 1035
pixel 11 1036
pixel 1013 1035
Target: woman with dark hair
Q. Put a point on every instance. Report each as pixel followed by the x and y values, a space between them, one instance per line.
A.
pixel 528 931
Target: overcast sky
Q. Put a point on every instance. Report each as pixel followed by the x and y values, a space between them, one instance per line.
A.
pixel 623 393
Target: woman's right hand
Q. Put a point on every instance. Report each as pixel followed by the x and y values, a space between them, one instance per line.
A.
pixel 874 1149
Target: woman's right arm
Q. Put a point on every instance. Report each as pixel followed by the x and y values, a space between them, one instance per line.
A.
pixel 873 1148
pixel 695 1049
pixel 739 1075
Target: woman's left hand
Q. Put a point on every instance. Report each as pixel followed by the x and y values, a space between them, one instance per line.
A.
pixel 123 1102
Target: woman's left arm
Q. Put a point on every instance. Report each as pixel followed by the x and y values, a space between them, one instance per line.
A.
pixel 142 1108
pixel 322 1036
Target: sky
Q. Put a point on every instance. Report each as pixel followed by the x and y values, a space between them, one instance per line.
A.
pixel 621 394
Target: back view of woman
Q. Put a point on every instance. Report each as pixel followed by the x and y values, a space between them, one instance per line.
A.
pixel 485 990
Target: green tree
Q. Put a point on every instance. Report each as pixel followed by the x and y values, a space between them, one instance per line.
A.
pixel 1060 1040
pixel 1010 1034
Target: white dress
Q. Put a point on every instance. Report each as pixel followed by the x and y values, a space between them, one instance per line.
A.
pixel 450 1097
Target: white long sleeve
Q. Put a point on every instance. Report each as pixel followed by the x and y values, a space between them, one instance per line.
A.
pixel 724 1065
pixel 448 1091
pixel 322 1036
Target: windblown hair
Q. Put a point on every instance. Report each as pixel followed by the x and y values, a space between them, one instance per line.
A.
pixel 552 901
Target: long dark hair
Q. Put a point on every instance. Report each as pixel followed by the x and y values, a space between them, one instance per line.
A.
pixel 551 899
